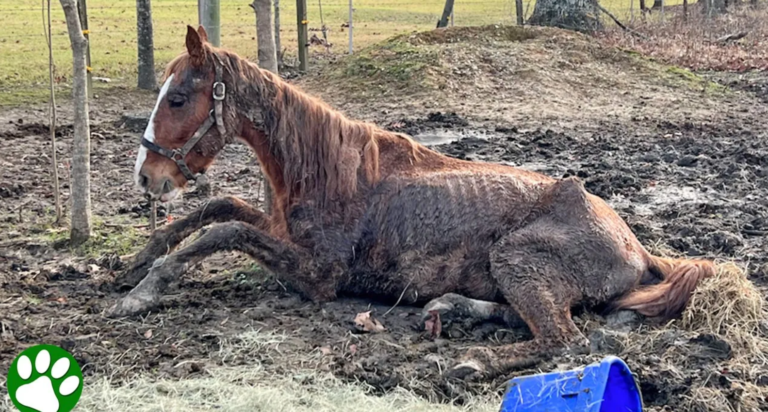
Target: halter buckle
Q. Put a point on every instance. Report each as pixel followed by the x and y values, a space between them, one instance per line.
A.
pixel 176 155
pixel 219 91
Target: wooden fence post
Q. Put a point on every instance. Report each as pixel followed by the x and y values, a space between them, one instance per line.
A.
pixel 208 13
pixel 447 10
pixel 301 20
pixel 351 41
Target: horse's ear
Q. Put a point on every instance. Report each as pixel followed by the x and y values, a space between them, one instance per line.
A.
pixel 195 45
pixel 203 34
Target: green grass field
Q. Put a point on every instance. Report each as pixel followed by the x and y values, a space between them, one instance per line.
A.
pixel 112 23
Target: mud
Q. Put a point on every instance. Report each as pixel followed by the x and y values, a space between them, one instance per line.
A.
pixel 698 189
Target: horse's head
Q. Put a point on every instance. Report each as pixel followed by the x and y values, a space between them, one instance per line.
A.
pixel 187 126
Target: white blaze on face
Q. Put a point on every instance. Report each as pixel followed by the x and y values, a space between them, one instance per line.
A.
pixel 149 133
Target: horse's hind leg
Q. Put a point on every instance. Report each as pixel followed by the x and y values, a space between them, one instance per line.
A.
pixel 279 257
pixel 534 279
pixel 571 249
pixel 164 240
pixel 453 307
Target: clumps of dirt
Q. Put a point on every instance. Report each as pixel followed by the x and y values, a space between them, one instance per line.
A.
pixel 754 82
pixel 433 121
pixel 8 189
pixel 21 130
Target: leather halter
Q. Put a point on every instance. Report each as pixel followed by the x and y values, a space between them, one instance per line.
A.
pixel 214 116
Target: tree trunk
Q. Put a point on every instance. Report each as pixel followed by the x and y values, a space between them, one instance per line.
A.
pixel 714 7
pixel 278 47
pixel 52 119
pixel 447 10
pixel 265 35
pixel 147 80
pixel 80 225
pixel 578 15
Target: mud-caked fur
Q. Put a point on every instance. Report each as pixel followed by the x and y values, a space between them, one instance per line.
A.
pixel 362 211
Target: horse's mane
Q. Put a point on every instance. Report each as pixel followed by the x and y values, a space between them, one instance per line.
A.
pixel 321 151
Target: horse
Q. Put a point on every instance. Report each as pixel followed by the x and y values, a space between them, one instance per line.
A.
pixel 361 211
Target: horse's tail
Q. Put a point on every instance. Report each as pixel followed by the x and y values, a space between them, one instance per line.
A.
pixel 667 299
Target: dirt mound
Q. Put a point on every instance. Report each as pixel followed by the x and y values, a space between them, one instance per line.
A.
pixel 522 75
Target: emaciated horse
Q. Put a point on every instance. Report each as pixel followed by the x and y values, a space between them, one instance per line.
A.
pixel 362 211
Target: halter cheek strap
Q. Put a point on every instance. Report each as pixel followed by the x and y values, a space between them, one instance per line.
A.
pixel 214 116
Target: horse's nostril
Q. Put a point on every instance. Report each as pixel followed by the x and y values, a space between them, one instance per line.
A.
pixel 143 180
pixel 167 187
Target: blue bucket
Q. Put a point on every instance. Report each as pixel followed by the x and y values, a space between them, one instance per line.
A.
pixel 605 386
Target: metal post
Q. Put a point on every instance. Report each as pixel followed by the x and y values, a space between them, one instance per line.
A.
pixel 301 17
pixel 519 12
pixel 350 27
pixel 451 18
pixel 208 14
pixel 82 11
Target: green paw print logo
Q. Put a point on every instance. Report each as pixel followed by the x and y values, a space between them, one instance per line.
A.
pixel 45 378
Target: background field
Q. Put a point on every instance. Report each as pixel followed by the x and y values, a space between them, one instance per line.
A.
pixel 112 24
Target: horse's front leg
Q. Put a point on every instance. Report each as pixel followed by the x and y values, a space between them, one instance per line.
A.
pixel 280 257
pixel 164 240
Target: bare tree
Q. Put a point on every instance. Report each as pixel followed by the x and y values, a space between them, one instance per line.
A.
pixel 714 7
pixel 52 114
pixel 267 60
pixel 147 80
pixel 265 34
pixel 80 225
pixel 278 47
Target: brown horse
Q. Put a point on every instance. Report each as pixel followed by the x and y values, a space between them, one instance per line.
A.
pixel 361 211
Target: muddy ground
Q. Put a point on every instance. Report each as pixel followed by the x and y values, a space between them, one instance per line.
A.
pixel 695 188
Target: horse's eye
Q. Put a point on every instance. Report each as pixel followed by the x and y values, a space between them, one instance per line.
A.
pixel 176 100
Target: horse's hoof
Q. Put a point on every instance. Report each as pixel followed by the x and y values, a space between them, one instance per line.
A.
pixel 131 277
pixel 438 305
pixel 468 370
pixel 131 305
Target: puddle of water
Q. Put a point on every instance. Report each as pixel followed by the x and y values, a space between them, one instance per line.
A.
pixel 660 196
pixel 444 136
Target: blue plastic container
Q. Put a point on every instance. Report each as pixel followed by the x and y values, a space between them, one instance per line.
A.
pixel 606 386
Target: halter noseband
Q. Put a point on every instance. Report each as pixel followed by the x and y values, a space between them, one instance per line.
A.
pixel 214 116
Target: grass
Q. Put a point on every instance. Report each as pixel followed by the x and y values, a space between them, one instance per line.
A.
pixel 118 236
pixel 393 66
pixel 112 25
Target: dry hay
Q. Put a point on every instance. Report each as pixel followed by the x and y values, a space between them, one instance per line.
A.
pixel 724 334
pixel 246 384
